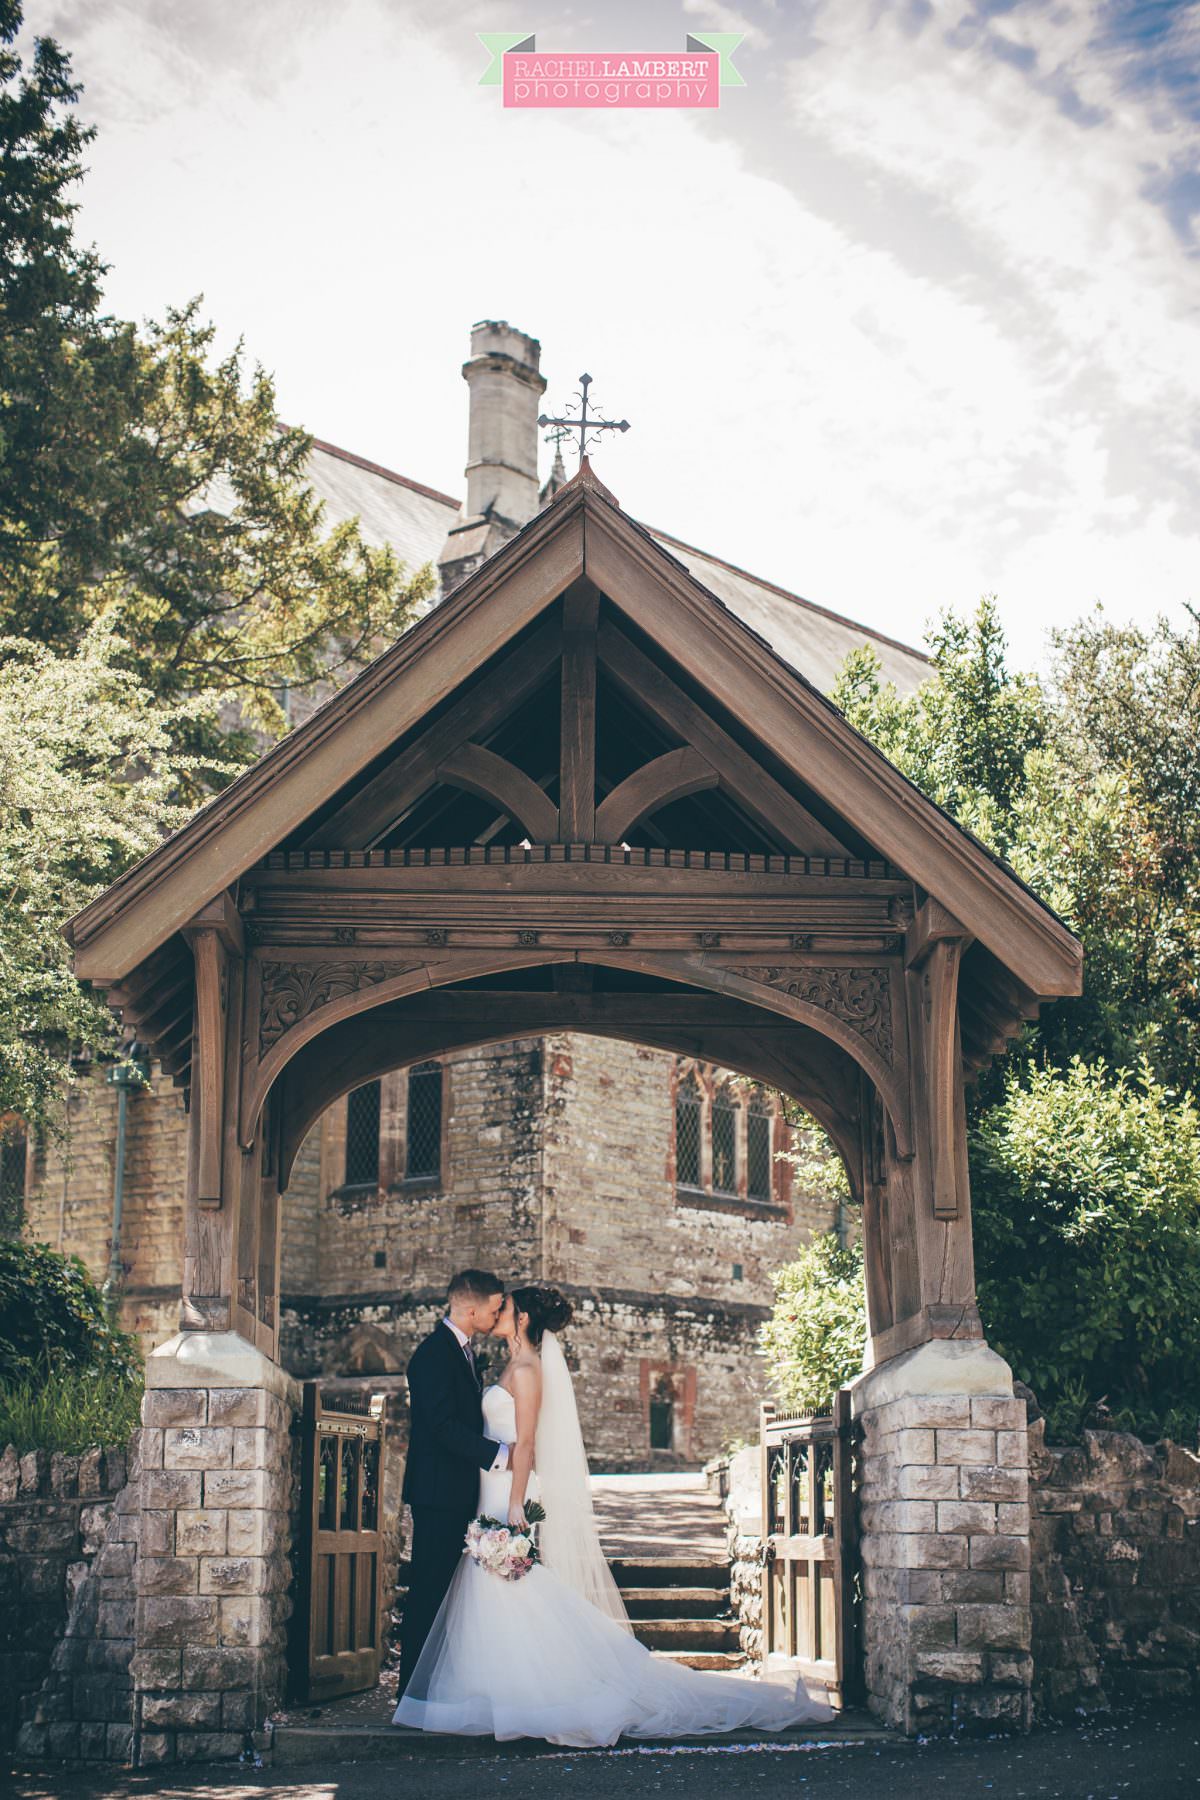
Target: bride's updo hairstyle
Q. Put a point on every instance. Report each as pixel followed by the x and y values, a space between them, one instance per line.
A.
pixel 548 1310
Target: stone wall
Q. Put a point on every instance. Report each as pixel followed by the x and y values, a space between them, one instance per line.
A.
pixel 68 1545
pixel 558 1165
pixel 1116 1571
pixel 213 1576
pixel 69 1204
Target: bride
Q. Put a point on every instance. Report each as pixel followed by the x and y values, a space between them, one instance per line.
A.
pixel 552 1655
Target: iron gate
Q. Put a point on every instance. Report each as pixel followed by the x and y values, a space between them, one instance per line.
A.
pixel 810 1566
pixel 338 1642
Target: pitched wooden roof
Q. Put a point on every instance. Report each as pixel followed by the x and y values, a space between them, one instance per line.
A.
pixel 836 782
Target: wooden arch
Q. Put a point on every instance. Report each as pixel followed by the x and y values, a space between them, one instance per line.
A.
pixel 579 770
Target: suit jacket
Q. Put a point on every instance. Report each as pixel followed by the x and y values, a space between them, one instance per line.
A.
pixel 447 1448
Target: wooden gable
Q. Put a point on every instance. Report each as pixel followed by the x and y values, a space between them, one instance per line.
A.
pixel 583 691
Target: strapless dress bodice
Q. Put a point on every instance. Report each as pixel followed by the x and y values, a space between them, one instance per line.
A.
pixel 499 1414
pixel 500 1424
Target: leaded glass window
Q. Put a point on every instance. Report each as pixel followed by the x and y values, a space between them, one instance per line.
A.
pixel 688 1114
pixel 759 1124
pixel 362 1136
pixel 724 1143
pixel 424 1135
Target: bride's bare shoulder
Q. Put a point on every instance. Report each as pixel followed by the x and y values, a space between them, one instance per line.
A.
pixel 527 1375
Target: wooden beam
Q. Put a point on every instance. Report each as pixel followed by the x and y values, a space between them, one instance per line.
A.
pixel 370 813
pixel 672 776
pixel 284 788
pixel 758 793
pixel 942 1070
pixel 222 916
pixel 493 778
pixel 931 925
pixel 209 1061
pixel 577 731
pixel 811 737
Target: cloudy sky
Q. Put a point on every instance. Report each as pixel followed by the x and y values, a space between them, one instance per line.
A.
pixel 911 318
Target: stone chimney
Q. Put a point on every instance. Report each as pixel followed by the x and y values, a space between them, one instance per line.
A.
pixel 502 447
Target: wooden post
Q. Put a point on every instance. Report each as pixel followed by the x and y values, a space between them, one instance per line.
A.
pixel 577 765
pixel 216 939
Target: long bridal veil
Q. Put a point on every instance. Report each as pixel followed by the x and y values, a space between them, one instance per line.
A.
pixel 570 1542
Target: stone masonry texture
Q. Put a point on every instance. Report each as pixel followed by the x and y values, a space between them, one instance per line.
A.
pixel 69 1530
pixel 558 1165
pixel 1115 1526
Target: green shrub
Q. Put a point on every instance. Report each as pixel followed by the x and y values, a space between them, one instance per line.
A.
pixel 53 1315
pixel 1086 1199
pixel 69 1409
pixel 814 1339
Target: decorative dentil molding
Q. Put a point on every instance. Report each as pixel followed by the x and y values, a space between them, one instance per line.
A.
pixel 860 998
pixel 291 991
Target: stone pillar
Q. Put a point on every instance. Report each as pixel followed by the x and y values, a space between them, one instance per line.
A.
pixel 213 1575
pixel 945 1540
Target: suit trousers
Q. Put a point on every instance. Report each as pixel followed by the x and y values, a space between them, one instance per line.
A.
pixel 437 1545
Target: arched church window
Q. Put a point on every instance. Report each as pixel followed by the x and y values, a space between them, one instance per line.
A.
pixel 724 1142
pixel 760 1123
pixel 689 1112
pixel 362 1136
pixel 423 1138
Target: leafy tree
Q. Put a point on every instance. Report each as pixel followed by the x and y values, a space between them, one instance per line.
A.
pixel 1088 786
pixel 141 481
pixel 1086 1203
pixel 88 775
pixel 815 1336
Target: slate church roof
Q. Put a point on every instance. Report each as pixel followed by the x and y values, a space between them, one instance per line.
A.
pixel 415 519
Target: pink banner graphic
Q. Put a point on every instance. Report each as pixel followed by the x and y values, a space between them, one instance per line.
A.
pixel 600 78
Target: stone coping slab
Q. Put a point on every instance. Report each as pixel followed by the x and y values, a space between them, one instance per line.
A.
pixel 217 1359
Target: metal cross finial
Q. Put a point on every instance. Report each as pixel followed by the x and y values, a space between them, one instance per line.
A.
pixel 589 425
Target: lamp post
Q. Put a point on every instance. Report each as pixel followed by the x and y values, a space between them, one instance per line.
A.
pixel 132 1073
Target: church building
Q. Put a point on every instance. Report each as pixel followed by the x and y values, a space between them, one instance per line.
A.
pixel 653 1188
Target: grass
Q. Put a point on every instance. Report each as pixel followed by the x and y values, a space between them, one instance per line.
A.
pixel 69 1409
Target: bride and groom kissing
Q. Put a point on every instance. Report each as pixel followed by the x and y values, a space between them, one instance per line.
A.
pixel 551 1655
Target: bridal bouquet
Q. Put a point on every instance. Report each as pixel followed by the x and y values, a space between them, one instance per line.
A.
pixel 505 1550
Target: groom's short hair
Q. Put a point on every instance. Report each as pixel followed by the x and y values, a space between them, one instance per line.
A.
pixel 477 1283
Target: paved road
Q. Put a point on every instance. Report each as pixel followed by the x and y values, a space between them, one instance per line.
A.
pixel 1143 1759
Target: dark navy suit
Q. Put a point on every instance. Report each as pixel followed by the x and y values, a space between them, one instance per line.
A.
pixel 447 1449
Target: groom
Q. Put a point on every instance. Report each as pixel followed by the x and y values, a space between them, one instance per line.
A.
pixel 446 1451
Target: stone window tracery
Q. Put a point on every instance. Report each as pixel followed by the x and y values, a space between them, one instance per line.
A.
pixel 726 1137
pixel 362 1136
pixel 423 1133
pixel 689 1116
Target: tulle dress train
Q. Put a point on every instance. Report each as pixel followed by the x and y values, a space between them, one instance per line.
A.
pixel 533 1658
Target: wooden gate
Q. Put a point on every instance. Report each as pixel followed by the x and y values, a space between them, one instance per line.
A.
pixel 811 1567
pixel 339 1626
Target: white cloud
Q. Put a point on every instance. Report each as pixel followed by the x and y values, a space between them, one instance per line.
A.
pixel 1000 397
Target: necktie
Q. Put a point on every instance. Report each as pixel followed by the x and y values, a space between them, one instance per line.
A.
pixel 470 1356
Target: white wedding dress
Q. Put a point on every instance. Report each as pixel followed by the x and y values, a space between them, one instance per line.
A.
pixel 535 1658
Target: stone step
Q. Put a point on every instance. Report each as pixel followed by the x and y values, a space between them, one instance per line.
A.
pixel 331 1743
pixel 668 1571
pixel 675 1603
pixel 687 1634
pixel 726 1661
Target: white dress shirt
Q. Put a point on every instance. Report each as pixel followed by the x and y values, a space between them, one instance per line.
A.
pixel 501 1462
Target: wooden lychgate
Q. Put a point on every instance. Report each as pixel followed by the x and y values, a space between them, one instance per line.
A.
pixel 338 1639
pixel 810 1568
